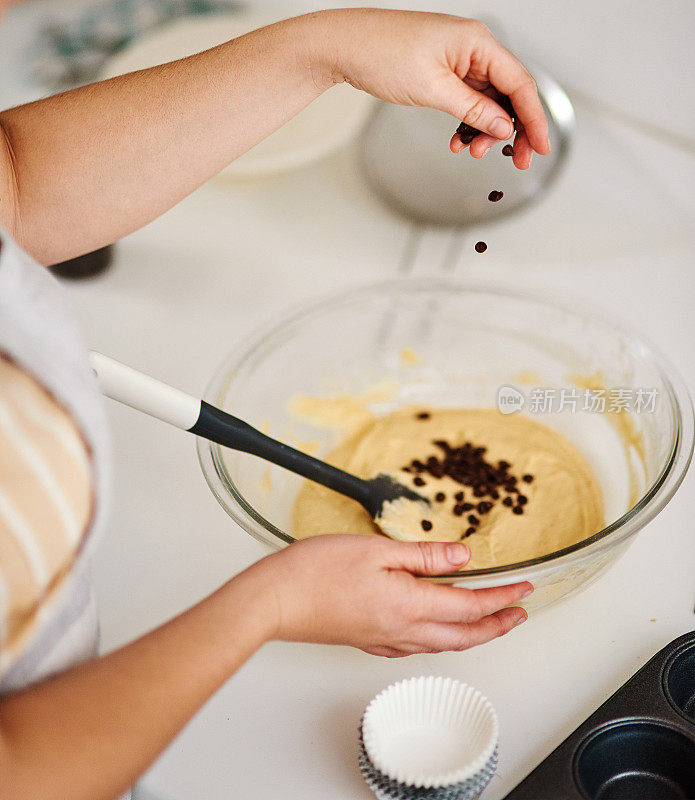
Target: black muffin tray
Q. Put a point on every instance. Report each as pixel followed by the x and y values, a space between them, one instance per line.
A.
pixel 639 745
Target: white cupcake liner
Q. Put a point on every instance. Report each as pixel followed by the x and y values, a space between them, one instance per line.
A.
pixel 387 789
pixel 430 733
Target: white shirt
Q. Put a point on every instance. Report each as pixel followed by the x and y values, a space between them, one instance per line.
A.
pixel 40 346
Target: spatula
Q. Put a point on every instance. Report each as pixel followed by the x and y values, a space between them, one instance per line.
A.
pixel 146 394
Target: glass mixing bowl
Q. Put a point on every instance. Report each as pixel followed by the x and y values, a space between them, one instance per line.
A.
pixel 442 343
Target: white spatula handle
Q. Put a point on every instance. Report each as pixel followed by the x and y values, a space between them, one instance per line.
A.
pixel 144 393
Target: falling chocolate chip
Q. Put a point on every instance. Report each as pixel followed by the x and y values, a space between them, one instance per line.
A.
pixel 426 525
pixel 507 150
pixel 468 532
pixel 518 510
pixel 508 501
pixel 473 519
pixel 419 481
pixel 480 247
pixel 495 195
pixel 527 478
pixel 458 496
pixel 522 500
pixel 458 510
pixel 423 415
pixel 440 497
pixel 467 506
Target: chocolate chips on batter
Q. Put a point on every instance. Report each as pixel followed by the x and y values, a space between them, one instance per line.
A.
pixel 466 464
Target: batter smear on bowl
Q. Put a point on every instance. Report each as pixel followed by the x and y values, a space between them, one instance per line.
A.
pixel 510 487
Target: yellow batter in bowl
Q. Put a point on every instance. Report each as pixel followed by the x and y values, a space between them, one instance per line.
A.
pixel 561 504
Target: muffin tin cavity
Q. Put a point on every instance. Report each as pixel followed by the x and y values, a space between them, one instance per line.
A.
pixel 679 682
pixel 637 759
pixel 639 745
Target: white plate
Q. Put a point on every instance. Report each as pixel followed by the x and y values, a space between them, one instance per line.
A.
pixel 321 128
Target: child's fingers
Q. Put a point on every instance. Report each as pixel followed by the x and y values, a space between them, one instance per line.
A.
pixel 481 144
pixel 510 77
pixel 456 145
pixel 458 604
pixel 474 108
pixel 426 558
pixel 491 627
pixel 437 637
pixel 478 147
pixel 522 150
pixel 487 601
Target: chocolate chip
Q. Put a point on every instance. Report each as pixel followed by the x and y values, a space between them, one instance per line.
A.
pixel 468 532
pixel 495 195
pixel 507 150
pixel 422 415
pixel 466 464
pixel 505 103
pixel 527 478
pixel 480 247
pixel 518 510
pixel 426 525
pixel 467 132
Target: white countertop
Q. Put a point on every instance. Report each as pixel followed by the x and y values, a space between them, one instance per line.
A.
pixel 617 232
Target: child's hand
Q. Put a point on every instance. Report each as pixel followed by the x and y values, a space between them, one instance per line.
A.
pixel 445 62
pixel 362 591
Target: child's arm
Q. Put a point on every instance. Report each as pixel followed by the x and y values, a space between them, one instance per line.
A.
pixel 81 169
pixel 90 732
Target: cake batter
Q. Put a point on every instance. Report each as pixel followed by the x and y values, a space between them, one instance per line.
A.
pixel 541 493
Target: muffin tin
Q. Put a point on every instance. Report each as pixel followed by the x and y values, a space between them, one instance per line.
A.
pixel 639 745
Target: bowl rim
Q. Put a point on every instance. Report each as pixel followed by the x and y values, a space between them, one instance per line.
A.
pixel 633 519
